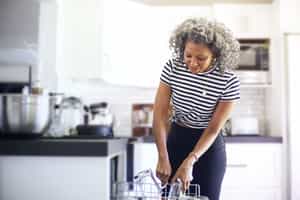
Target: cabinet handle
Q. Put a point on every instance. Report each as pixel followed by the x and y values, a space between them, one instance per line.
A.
pixel 237 165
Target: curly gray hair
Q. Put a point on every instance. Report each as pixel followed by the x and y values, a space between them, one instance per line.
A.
pixel 212 33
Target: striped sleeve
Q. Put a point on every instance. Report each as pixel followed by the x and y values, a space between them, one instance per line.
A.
pixel 166 73
pixel 232 90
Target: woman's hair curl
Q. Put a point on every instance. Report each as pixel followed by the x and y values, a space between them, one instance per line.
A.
pixel 214 34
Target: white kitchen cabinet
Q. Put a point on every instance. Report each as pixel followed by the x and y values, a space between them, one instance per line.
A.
pixel 59 178
pixel 135 40
pixel 250 194
pixel 145 157
pixel 292 42
pixel 289 15
pixel 246 20
pixel 79 33
pixel 61 169
pixel 253 169
pixel 129 56
pixel 135 35
pixel 253 172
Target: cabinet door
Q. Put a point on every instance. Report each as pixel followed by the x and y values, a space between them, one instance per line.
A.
pixel 79 39
pixel 246 21
pixel 145 157
pixel 289 16
pixel 251 194
pixel 136 40
pixel 134 48
pixel 253 165
pixel 253 171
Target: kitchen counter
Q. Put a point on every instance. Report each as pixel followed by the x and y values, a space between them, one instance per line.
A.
pixel 61 168
pixel 253 139
pixel 62 146
pixel 228 139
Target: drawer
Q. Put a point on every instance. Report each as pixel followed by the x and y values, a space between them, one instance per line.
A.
pixel 252 165
pixel 251 194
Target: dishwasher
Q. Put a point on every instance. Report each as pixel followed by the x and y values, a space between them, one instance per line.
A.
pixel 145 186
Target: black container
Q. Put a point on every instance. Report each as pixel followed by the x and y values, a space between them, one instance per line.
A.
pixel 95 130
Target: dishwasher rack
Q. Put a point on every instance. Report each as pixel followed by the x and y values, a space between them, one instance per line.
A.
pixel 142 189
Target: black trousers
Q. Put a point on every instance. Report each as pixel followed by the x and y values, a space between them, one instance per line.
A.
pixel 209 171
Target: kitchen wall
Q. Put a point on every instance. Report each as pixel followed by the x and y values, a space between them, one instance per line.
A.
pixel 48 41
pixel 121 98
pixel 119 51
pixel 131 77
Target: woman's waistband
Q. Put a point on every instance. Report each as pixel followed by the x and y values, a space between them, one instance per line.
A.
pixel 179 124
pixel 194 131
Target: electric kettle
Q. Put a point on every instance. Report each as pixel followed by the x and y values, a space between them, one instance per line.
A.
pixel 102 121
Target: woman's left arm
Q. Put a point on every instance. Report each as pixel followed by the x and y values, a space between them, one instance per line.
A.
pixel 209 135
pixel 218 120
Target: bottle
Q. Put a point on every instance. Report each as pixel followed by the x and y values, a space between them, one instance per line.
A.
pixel 36 88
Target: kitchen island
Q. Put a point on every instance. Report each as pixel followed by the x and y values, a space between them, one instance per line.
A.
pixel 60 169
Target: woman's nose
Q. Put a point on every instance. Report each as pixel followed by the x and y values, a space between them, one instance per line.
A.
pixel 194 62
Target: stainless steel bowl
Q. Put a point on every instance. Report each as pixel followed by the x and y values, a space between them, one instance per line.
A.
pixel 25 114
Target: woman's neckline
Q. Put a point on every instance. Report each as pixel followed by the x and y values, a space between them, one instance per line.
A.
pixel 210 69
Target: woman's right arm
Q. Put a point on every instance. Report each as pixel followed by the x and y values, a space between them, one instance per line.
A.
pixel 160 118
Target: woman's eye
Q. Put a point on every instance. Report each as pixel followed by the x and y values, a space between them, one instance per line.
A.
pixel 202 59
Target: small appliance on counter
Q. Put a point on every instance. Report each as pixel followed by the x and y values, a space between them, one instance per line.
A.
pixel 66 114
pixel 244 125
pixel 100 123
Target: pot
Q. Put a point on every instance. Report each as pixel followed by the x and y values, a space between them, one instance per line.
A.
pixel 25 114
pixel 95 130
pixel 101 123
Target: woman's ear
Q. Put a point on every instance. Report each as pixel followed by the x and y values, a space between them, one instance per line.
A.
pixel 213 61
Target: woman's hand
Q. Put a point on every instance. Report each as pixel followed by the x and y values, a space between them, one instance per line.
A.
pixel 163 170
pixel 184 173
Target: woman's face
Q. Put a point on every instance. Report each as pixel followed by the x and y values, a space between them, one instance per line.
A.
pixel 197 56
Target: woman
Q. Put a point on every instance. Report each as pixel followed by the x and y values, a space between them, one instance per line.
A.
pixel 202 88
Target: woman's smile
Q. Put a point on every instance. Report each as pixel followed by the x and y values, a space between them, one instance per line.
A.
pixel 197 56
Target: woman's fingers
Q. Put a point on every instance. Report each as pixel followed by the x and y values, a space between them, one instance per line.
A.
pixel 163 175
pixel 184 181
pixel 163 170
pixel 186 185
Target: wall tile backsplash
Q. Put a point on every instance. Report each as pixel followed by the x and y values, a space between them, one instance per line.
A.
pixel 121 98
pixel 253 103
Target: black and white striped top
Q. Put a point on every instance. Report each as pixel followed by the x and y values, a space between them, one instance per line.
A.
pixel 195 96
